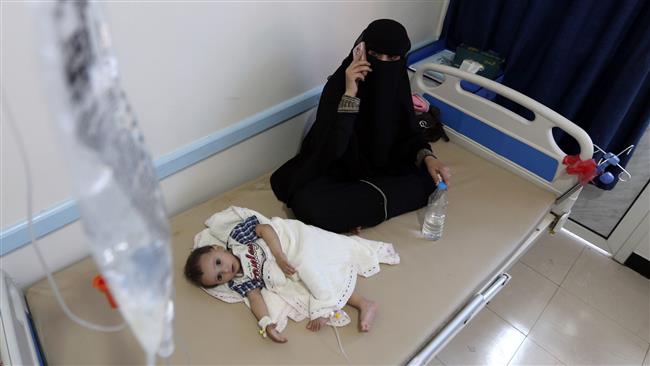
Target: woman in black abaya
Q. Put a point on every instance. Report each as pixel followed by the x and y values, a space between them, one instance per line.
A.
pixel 365 159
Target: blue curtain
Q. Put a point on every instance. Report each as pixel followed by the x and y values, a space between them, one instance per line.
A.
pixel 588 60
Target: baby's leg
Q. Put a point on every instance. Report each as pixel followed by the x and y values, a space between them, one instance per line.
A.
pixel 367 310
pixel 316 324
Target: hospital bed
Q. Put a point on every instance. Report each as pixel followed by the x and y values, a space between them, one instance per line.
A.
pixel 509 187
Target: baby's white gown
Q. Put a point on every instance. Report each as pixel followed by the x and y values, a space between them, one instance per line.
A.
pixel 327 266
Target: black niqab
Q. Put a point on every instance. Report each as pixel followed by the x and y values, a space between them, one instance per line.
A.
pixel 384 122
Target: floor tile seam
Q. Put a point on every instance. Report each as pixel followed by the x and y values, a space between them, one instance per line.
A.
pixel 540 346
pixel 538 272
pixel 507 322
pixel 599 312
pixel 513 327
pixel 573 264
pixel 548 302
pixel 610 317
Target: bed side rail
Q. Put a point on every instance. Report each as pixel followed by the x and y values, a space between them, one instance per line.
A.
pixel 523 146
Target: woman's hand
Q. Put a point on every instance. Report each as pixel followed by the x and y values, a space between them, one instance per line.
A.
pixel 275 336
pixel 287 268
pixel 437 169
pixel 356 71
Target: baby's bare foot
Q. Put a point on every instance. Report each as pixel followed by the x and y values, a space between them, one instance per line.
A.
pixel 316 324
pixel 367 313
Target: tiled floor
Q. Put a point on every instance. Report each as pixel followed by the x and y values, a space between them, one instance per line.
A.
pixel 566 304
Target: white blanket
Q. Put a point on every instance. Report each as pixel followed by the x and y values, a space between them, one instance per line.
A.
pixel 327 265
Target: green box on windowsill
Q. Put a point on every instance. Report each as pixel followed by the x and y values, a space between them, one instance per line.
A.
pixel 490 60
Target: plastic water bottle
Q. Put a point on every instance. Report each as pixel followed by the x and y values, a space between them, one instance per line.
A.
pixel 434 218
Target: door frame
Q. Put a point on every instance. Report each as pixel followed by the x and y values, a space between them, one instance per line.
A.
pixel 621 242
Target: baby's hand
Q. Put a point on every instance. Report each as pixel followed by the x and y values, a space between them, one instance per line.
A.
pixel 285 266
pixel 273 333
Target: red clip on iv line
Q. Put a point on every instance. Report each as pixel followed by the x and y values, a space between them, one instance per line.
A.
pixel 100 284
pixel 585 169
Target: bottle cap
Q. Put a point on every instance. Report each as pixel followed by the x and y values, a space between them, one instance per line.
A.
pixel 442 185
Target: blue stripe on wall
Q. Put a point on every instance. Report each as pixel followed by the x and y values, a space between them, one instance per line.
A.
pixel 44 223
pixel 65 213
pixel 510 148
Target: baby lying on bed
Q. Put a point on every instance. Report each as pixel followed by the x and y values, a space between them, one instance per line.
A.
pixel 283 268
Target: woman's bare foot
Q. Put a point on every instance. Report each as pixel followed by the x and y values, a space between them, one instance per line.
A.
pixel 316 324
pixel 355 231
pixel 367 312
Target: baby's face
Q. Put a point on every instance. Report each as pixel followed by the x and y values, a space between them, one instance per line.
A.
pixel 218 266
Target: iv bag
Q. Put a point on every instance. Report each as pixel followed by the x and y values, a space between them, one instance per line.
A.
pixel 114 181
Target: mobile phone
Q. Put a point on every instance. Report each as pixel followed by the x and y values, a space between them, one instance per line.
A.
pixel 359 51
